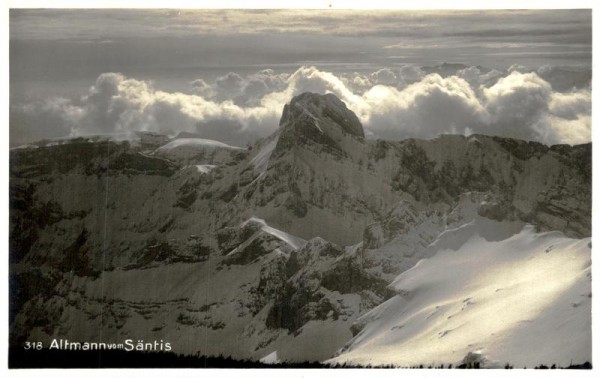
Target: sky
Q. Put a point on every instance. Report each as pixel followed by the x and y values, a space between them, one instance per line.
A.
pixel 226 74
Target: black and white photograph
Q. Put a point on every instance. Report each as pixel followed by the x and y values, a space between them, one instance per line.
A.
pixel 299 188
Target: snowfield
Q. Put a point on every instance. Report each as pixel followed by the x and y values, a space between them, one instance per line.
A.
pixel 524 300
pixel 261 160
pixel 197 151
pixel 270 359
pixel 195 142
pixel 205 168
pixel 293 241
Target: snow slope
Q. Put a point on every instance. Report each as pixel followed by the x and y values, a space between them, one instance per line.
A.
pixel 196 142
pixel 293 241
pixel 270 359
pixel 205 168
pixel 261 160
pixel 197 151
pixel 524 300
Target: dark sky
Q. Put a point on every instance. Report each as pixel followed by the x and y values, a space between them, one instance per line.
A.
pixel 76 72
pixel 57 50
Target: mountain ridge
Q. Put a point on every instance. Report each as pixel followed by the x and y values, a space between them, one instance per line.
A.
pixel 267 248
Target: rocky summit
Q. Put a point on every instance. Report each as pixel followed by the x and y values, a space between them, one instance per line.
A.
pixel 314 243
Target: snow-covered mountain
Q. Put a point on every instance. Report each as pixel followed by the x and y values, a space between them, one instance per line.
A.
pixel 313 244
pixel 194 150
pixel 488 292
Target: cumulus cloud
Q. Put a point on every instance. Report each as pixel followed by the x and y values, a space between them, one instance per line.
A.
pixel 200 87
pixel 399 77
pixel 569 118
pixel 117 104
pixel 42 120
pixel 356 82
pixel 243 91
pixel 490 78
pixel 253 91
pixel 570 105
pixel 471 75
pixel 476 77
pixel 391 104
pixel 229 86
pixel 384 76
pixel 565 80
pixel 311 79
pixel 518 67
pixel 519 105
pixel 560 130
pixel 408 75
pixel 427 108
pixel 272 80
pixel 517 101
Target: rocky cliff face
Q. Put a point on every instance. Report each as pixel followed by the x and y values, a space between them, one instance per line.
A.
pixel 246 251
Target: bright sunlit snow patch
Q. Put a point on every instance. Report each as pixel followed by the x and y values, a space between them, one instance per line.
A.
pixel 193 142
pixel 205 168
pixel 294 241
pixel 524 300
pixel 270 358
pixel 261 160
pixel 25 147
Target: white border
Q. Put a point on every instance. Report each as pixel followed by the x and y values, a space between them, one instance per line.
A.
pixel 273 4
pixel 306 4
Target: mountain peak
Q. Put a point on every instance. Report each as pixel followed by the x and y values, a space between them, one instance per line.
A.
pixel 321 112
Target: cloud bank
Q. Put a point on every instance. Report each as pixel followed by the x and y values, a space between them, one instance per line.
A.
pixel 392 103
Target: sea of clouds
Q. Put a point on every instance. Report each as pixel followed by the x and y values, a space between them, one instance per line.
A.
pixel 397 103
